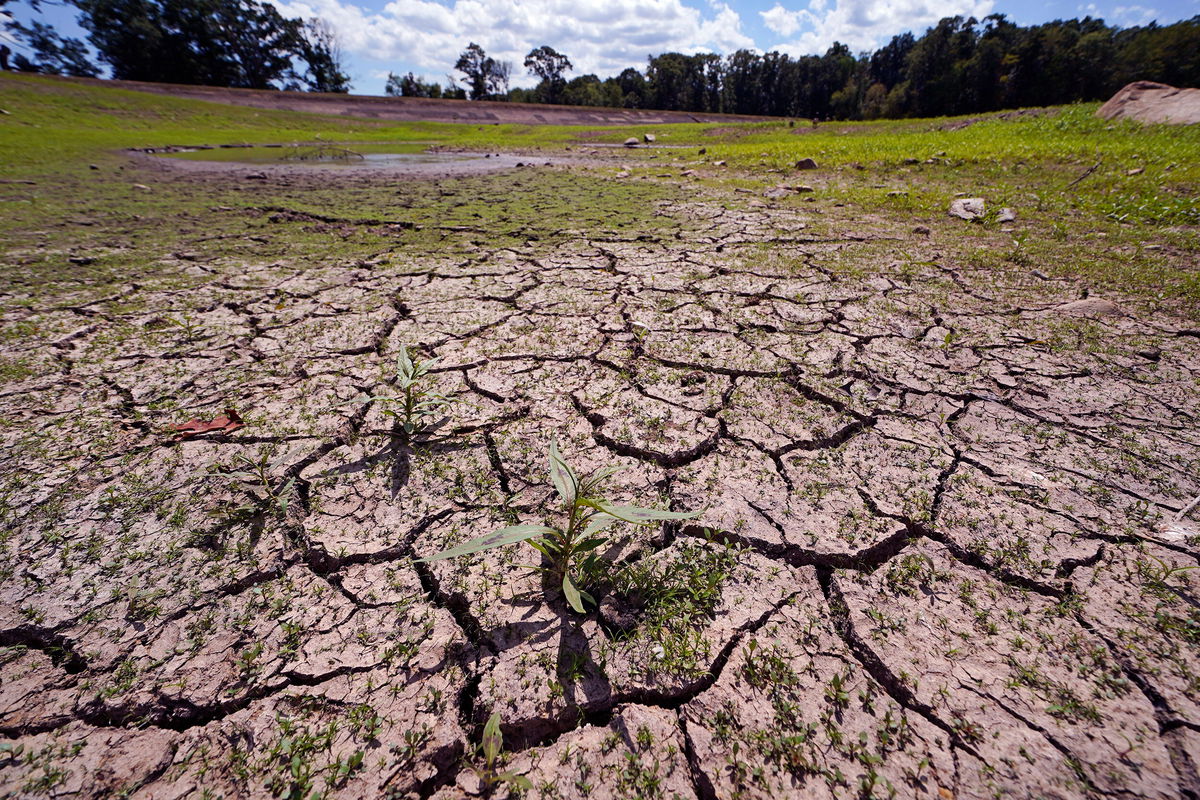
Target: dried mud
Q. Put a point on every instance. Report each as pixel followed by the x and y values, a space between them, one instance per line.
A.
pixel 952 523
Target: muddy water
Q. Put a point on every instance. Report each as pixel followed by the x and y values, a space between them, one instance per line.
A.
pixel 291 156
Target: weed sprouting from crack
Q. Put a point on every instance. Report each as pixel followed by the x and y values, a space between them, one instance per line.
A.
pixel 491 748
pixel 572 547
pixel 255 476
pixel 417 404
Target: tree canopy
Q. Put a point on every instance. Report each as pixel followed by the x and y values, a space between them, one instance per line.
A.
pixel 485 77
pixel 959 66
pixel 239 43
pixel 549 65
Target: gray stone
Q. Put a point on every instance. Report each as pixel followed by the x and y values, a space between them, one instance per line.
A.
pixel 969 208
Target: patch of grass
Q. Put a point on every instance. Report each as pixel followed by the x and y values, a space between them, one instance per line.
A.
pixel 16 369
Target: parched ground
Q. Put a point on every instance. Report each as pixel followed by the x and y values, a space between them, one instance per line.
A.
pixel 948 502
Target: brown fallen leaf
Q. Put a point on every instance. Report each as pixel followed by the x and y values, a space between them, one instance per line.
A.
pixel 228 422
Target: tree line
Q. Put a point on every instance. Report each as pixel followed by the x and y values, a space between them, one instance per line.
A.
pixel 959 66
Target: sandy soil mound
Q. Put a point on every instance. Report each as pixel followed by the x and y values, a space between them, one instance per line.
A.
pixel 1147 101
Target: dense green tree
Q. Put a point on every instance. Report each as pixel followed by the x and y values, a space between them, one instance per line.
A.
pixel 633 89
pixel 52 53
pixel 687 83
pixel 888 62
pixel 961 65
pixel 484 76
pixel 549 66
pixel 322 53
pixel 215 42
pixel 1168 54
pixel 741 87
pixel 240 43
pixel 411 86
pixel 937 64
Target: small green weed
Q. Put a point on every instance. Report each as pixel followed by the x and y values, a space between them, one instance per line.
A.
pixel 418 403
pixel 572 545
pixel 492 747
pixel 255 477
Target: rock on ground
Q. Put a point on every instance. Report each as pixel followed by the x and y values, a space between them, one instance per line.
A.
pixel 1146 101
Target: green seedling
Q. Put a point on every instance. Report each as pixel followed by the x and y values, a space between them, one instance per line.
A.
pixel 572 547
pixel 417 403
pixel 492 747
pixel 256 478
pixel 186 324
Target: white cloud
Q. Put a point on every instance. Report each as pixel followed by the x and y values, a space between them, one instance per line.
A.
pixel 867 24
pixel 1128 16
pixel 780 20
pixel 600 36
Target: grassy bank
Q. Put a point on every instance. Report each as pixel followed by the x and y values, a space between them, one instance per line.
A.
pixel 1115 204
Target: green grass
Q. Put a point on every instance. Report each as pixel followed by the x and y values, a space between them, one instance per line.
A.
pixel 1133 233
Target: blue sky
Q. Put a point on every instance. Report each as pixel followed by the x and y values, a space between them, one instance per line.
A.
pixel 605 36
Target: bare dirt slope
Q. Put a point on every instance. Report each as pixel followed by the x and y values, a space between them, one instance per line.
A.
pixel 415 109
pixel 1146 101
pixel 948 515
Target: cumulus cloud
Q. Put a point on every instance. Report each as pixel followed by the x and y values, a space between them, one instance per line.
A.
pixel 600 36
pixel 863 24
pixel 780 20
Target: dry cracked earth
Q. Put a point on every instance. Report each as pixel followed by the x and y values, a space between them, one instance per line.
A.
pixel 948 518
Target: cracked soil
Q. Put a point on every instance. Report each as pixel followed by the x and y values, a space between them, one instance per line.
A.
pixel 948 508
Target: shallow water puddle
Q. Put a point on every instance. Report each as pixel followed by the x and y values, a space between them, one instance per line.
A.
pixel 321 156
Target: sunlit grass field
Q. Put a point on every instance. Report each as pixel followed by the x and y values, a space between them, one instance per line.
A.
pixel 1116 202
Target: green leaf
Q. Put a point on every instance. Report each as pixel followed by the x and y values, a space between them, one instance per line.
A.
pixel 404 364
pixel 644 516
pixel 599 523
pixel 542 548
pixel 518 781
pixel 509 535
pixel 572 594
pixel 493 740
pixel 590 544
pixel 593 481
pixel 564 478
